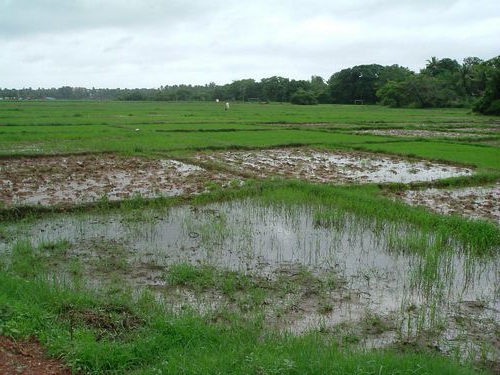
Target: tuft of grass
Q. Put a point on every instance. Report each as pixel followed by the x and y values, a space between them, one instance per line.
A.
pixel 26 260
pixel 205 277
pixel 54 247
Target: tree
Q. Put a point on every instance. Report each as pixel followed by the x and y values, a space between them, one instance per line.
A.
pixel 275 89
pixel 437 66
pixel 359 82
pixel 489 103
pixel 244 89
pixel 321 90
pixel 303 97
pixel 394 94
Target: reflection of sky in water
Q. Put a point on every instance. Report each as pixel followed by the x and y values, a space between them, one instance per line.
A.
pixel 251 236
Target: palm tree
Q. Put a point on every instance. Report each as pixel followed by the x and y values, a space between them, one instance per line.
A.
pixel 432 65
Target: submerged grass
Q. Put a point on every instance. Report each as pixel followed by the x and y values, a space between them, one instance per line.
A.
pixel 95 332
pixel 477 236
pixel 367 202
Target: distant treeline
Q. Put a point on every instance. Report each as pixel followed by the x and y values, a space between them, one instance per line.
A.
pixel 442 83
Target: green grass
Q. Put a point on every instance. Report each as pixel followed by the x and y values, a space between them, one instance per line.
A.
pixel 110 112
pixel 111 330
pixel 98 333
pixel 86 126
pixel 476 155
pixel 366 202
pixel 478 237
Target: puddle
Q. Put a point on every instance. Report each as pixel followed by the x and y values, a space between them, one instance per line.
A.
pixel 473 202
pixel 371 277
pixel 86 178
pixel 420 133
pixel 339 167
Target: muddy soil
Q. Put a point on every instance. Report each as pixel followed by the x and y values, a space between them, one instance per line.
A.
pixel 78 179
pixel 493 129
pixel 473 202
pixel 27 357
pixel 419 133
pixel 336 167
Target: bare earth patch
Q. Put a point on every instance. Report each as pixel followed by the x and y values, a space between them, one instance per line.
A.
pixel 419 133
pixel 27 357
pixel 474 202
pixel 339 167
pixel 85 178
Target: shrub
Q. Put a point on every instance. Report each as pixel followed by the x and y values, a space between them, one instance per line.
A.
pixel 303 97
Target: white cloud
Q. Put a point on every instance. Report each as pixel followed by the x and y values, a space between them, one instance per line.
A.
pixel 148 43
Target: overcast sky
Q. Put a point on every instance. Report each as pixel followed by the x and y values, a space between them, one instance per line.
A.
pixel 148 43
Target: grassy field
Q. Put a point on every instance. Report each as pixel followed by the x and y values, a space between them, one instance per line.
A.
pixel 93 284
pixel 69 127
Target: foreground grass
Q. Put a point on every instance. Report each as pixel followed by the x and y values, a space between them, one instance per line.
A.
pixel 104 331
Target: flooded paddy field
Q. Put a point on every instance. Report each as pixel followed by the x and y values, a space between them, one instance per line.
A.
pixel 421 133
pixel 305 267
pixel 269 276
pixel 337 167
pixel 76 179
pixel 473 202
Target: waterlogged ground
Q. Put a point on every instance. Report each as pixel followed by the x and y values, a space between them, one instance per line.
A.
pixel 311 270
pixel 473 202
pixel 55 180
pixel 338 167
pixel 422 133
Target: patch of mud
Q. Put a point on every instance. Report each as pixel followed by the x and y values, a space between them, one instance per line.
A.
pixel 419 133
pixel 473 202
pixel 87 178
pixel 27 357
pixel 474 327
pixel 111 322
pixel 339 167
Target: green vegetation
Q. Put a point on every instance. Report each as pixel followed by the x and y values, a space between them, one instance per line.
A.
pixel 489 103
pixel 442 83
pixel 80 297
pixel 46 128
pixel 303 97
pixel 99 333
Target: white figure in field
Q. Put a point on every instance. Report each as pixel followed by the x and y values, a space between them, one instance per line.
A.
pixel 226 106
pixel 217 100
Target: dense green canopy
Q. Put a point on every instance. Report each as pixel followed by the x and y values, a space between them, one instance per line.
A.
pixel 442 83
